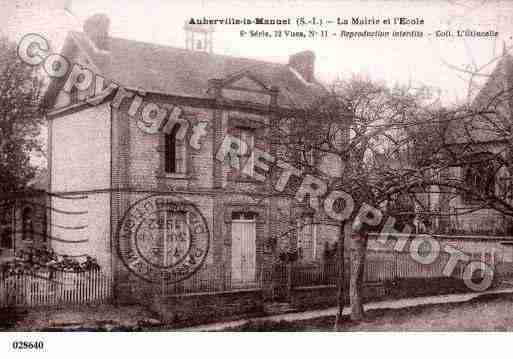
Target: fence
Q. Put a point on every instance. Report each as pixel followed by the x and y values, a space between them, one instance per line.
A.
pixel 56 288
pixel 384 265
pixel 214 279
pixel 380 266
pixel 208 279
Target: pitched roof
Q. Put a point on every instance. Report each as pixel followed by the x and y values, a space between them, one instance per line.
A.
pixel 175 71
pixel 499 81
pixel 494 96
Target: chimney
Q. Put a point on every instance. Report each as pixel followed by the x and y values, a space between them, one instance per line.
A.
pixel 303 63
pixel 96 28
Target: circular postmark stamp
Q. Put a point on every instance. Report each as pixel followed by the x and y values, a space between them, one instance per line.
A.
pixel 163 238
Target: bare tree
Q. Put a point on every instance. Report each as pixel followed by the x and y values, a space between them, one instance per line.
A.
pixel 392 148
pixel 351 140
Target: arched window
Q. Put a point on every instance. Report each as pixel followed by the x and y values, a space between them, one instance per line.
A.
pixel 174 152
pixel 27 224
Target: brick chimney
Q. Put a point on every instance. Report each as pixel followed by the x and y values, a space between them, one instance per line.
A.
pixel 96 28
pixel 303 63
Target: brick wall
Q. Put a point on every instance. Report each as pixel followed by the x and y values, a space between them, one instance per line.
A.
pixel 213 187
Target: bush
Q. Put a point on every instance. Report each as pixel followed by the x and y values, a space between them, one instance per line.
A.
pixel 31 260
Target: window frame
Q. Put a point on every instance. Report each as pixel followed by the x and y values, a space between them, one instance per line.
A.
pixel 302 237
pixel 175 154
pixel 246 161
pixel 7 231
pixel 486 186
pixel 27 224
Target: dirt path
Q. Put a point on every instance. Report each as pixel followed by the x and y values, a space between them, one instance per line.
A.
pixel 383 305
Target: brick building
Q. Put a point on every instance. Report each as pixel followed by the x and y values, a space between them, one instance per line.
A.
pixel 105 165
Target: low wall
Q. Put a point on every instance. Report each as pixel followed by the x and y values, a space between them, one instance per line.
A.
pixel 209 307
pixel 306 298
pixel 193 309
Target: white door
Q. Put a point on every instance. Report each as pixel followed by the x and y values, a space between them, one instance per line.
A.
pixel 243 252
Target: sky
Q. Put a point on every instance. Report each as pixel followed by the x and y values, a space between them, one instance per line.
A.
pixel 410 61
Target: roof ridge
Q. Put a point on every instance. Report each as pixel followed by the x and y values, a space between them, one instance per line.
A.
pixel 190 51
pixel 171 70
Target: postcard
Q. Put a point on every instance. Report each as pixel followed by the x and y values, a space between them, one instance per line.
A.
pixel 254 166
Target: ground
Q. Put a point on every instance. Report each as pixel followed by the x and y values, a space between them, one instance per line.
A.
pixel 493 312
pixel 83 318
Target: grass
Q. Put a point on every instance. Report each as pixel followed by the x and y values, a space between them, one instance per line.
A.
pixel 485 313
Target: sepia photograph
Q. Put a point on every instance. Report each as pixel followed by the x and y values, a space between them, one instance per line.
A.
pixel 324 166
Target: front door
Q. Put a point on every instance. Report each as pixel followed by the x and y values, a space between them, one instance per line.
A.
pixel 243 251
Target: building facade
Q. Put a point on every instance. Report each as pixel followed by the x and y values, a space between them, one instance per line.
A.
pixel 162 210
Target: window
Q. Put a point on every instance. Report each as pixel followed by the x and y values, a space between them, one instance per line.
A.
pixel 504 184
pixel 307 239
pixel 6 239
pixel 310 158
pixel 246 160
pixel 479 177
pixel 27 224
pixel 73 95
pixel 305 157
pixel 174 152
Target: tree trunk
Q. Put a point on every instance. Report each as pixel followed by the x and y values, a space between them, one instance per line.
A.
pixel 344 235
pixel 358 249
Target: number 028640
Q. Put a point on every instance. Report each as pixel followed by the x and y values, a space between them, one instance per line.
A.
pixel 26 345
